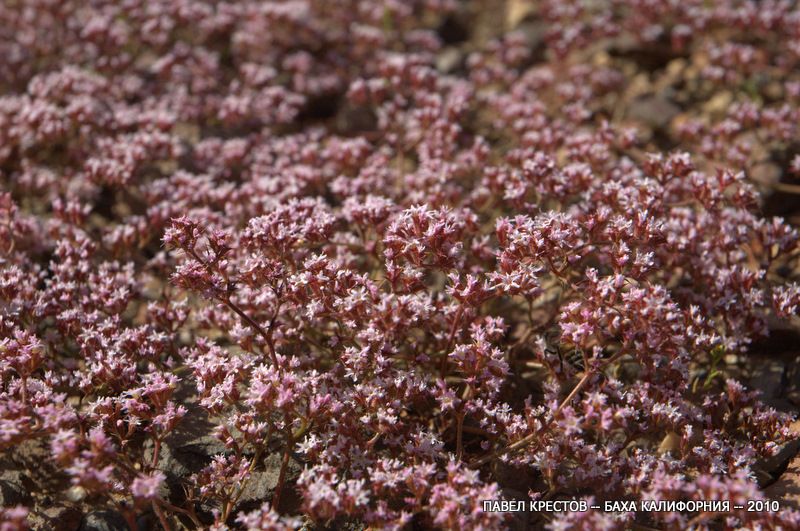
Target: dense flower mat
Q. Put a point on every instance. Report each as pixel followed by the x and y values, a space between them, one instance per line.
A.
pixel 379 261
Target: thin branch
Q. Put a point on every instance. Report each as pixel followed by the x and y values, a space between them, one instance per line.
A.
pixel 161 517
pixel 786 188
pixel 459 435
pixel 450 339
pixel 528 439
pixel 174 508
pixel 276 498
pixel 241 313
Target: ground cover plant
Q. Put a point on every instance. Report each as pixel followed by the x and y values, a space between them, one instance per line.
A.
pixel 364 264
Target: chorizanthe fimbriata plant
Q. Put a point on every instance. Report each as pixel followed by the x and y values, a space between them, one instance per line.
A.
pixel 400 287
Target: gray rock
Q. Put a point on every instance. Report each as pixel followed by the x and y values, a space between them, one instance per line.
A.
pixel 14 488
pixel 261 484
pixel 190 446
pixel 767 173
pixel 522 520
pixel 61 517
pixel 169 463
pixel 534 32
pixel 449 60
pixel 104 521
pixel 177 465
pixel 356 118
pixel 768 377
pixel 515 478
pixel 769 469
pixel 655 111
pixel 787 487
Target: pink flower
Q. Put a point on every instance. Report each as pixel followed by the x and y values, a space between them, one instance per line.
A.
pixel 147 487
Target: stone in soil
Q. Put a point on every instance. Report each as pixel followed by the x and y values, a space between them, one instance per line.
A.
pixel 15 489
pixel 60 517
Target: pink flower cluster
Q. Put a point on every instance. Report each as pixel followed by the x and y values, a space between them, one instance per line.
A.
pixel 417 289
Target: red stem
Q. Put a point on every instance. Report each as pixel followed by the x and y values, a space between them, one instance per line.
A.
pixel 450 339
pixel 246 318
pixel 161 517
pixel 276 499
